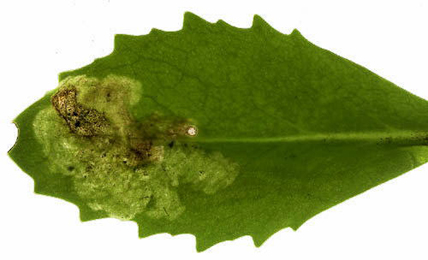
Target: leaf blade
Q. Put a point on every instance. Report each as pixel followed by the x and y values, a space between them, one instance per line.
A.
pixel 308 128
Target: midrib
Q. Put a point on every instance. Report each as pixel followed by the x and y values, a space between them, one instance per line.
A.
pixel 401 136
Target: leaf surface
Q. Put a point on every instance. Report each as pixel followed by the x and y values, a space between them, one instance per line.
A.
pixel 305 129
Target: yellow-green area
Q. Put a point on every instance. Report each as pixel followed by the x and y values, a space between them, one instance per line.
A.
pixel 108 171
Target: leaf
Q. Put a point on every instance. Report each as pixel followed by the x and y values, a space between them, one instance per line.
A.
pixel 219 132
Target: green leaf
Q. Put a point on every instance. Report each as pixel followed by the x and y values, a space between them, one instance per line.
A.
pixel 219 132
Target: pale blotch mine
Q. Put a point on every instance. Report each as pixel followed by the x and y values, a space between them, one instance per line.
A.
pixel 120 166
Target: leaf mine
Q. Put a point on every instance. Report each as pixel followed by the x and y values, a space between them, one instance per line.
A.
pixel 119 165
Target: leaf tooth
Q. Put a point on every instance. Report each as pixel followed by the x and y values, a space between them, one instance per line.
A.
pixel 87 214
pixel 223 26
pixel 259 240
pixel 156 31
pixel 223 23
pixel 259 22
pixel 296 34
pixel 120 40
pixel 204 242
pixel 193 22
pixel 260 25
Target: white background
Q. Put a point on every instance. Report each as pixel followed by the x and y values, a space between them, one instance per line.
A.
pixel 39 39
